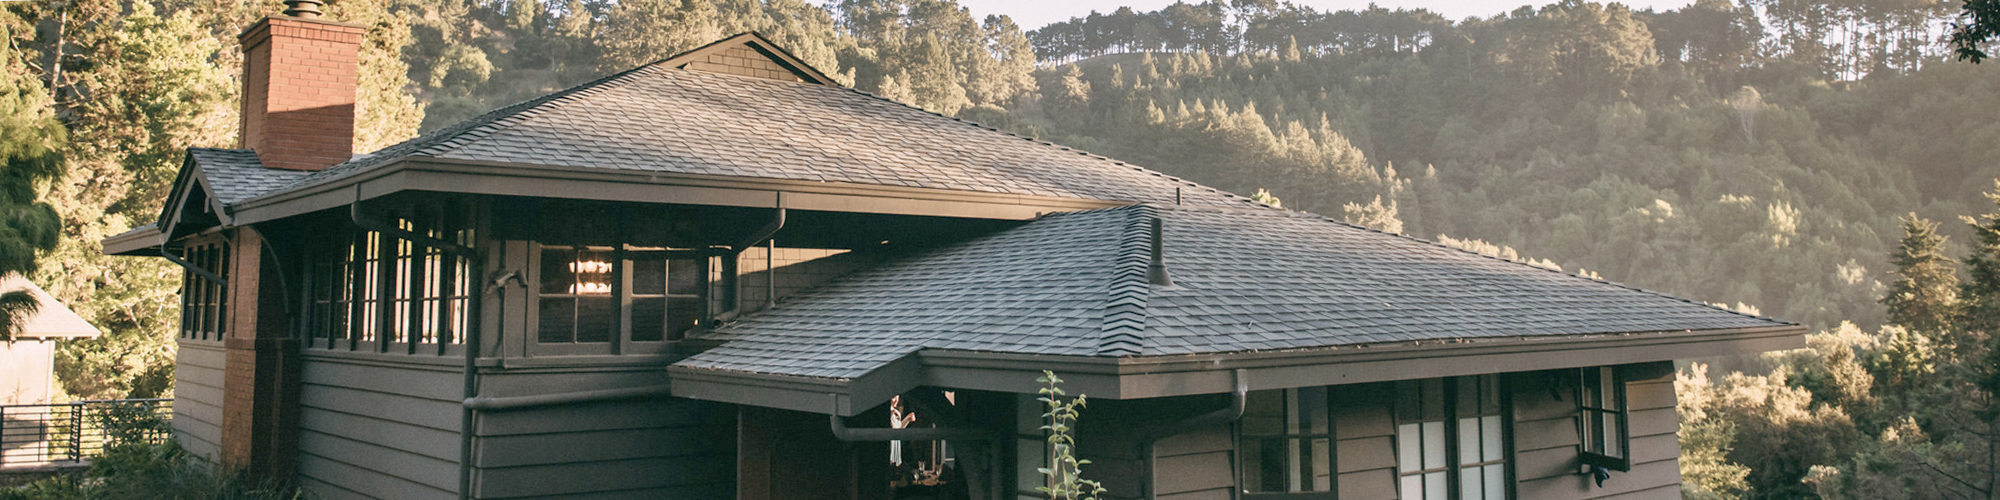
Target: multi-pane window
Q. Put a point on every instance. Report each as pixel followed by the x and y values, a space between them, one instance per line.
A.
pixel 1602 411
pixel 624 294
pixel 1482 461
pixel 1421 445
pixel 203 301
pixel 1451 439
pixel 576 302
pixel 367 286
pixel 1287 442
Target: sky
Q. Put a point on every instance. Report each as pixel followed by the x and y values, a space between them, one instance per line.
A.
pixel 1034 14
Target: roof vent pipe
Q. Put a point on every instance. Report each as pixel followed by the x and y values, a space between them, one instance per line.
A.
pixel 1157 272
pixel 303 9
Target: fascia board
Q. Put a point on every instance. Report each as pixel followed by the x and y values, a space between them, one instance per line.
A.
pixel 443 175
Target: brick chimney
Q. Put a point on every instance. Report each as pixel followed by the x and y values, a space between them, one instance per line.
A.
pixel 299 75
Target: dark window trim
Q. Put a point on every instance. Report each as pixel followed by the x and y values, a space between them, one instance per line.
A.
pixel 1332 436
pixel 621 341
pixel 370 277
pixel 1453 468
pixel 1621 413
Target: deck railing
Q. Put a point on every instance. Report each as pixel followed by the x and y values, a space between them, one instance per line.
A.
pixel 71 433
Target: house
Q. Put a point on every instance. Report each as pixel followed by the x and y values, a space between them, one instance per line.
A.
pixel 27 376
pixel 723 275
pixel 27 361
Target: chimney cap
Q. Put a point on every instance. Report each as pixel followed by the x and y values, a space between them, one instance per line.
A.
pixel 303 9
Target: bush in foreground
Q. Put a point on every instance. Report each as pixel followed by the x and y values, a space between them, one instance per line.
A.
pixel 148 471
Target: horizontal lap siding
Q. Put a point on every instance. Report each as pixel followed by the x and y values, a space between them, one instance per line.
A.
pixel 367 429
pixel 1545 443
pixel 198 397
pixel 657 448
pixel 1365 448
pixel 1196 465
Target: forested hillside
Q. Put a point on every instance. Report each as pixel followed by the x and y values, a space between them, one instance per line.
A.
pixel 1761 155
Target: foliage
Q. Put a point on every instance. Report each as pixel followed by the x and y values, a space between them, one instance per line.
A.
pixel 1924 296
pixel 30 144
pixel 152 472
pixel 1064 470
pixel 1977 26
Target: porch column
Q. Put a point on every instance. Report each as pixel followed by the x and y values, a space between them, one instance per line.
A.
pixel 260 403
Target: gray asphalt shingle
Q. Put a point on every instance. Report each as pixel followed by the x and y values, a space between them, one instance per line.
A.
pixel 1244 280
pixel 671 120
pixel 237 174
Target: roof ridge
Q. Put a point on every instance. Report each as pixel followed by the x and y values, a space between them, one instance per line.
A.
pixel 1113 161
pixel 1125 304
pixel 514 114
pixel 1558 272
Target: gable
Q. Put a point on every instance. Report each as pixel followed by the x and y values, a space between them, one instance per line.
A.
pixel 748 55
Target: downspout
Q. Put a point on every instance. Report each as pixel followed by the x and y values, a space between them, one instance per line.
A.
pixel 735 252
pixel 473 327
pixel 995 437
pixel 1148 435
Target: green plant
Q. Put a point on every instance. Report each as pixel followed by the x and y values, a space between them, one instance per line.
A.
pixel 1065 471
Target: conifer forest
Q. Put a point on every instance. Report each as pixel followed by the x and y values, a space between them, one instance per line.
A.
pixel 1833 163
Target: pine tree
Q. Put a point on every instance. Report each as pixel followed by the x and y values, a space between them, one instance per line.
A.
pixel 29 140
pixel 1924 296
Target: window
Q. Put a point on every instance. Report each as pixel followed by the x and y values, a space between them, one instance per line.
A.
pixel 1451 439
pixel 203 301
pixel 622 295
pixel 1287 442
pixel 1601 410
pixel 367 288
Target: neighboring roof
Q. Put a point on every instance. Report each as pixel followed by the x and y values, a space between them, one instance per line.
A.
pixel 1075 284
pixel 658 118
pixel 52 320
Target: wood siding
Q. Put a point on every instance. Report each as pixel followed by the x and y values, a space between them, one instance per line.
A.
pixel 1364 427
pixel 658 448
pixel 1199 464
pixel 375 429
pixel 797 269
pixel 198 396
pixel 1545 442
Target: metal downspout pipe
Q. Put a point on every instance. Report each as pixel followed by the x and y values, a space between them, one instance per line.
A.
pixel 844 433
pixel 473 327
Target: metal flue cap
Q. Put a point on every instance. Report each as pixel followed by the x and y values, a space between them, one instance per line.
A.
pixel 303 9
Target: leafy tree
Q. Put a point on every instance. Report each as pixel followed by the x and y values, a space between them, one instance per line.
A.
pixel 1978 24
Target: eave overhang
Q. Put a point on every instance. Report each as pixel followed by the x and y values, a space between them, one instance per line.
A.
pixel 1142 377
pixel 141 241
pixel 501 179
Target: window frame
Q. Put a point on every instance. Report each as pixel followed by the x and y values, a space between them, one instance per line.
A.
pixel 621 340
pixel 1620 412
pixel 1290 400
pixel 1454 466
pixel 366 291
pixel 204 303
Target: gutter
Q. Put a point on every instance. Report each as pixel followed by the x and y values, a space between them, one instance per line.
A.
pixel 471 335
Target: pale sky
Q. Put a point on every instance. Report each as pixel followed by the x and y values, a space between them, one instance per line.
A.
pixel 1034 14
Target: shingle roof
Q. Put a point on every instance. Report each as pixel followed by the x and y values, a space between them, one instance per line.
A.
pixel 1244 280
pixel 664 119
pixel 237 174
pixel 52 319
